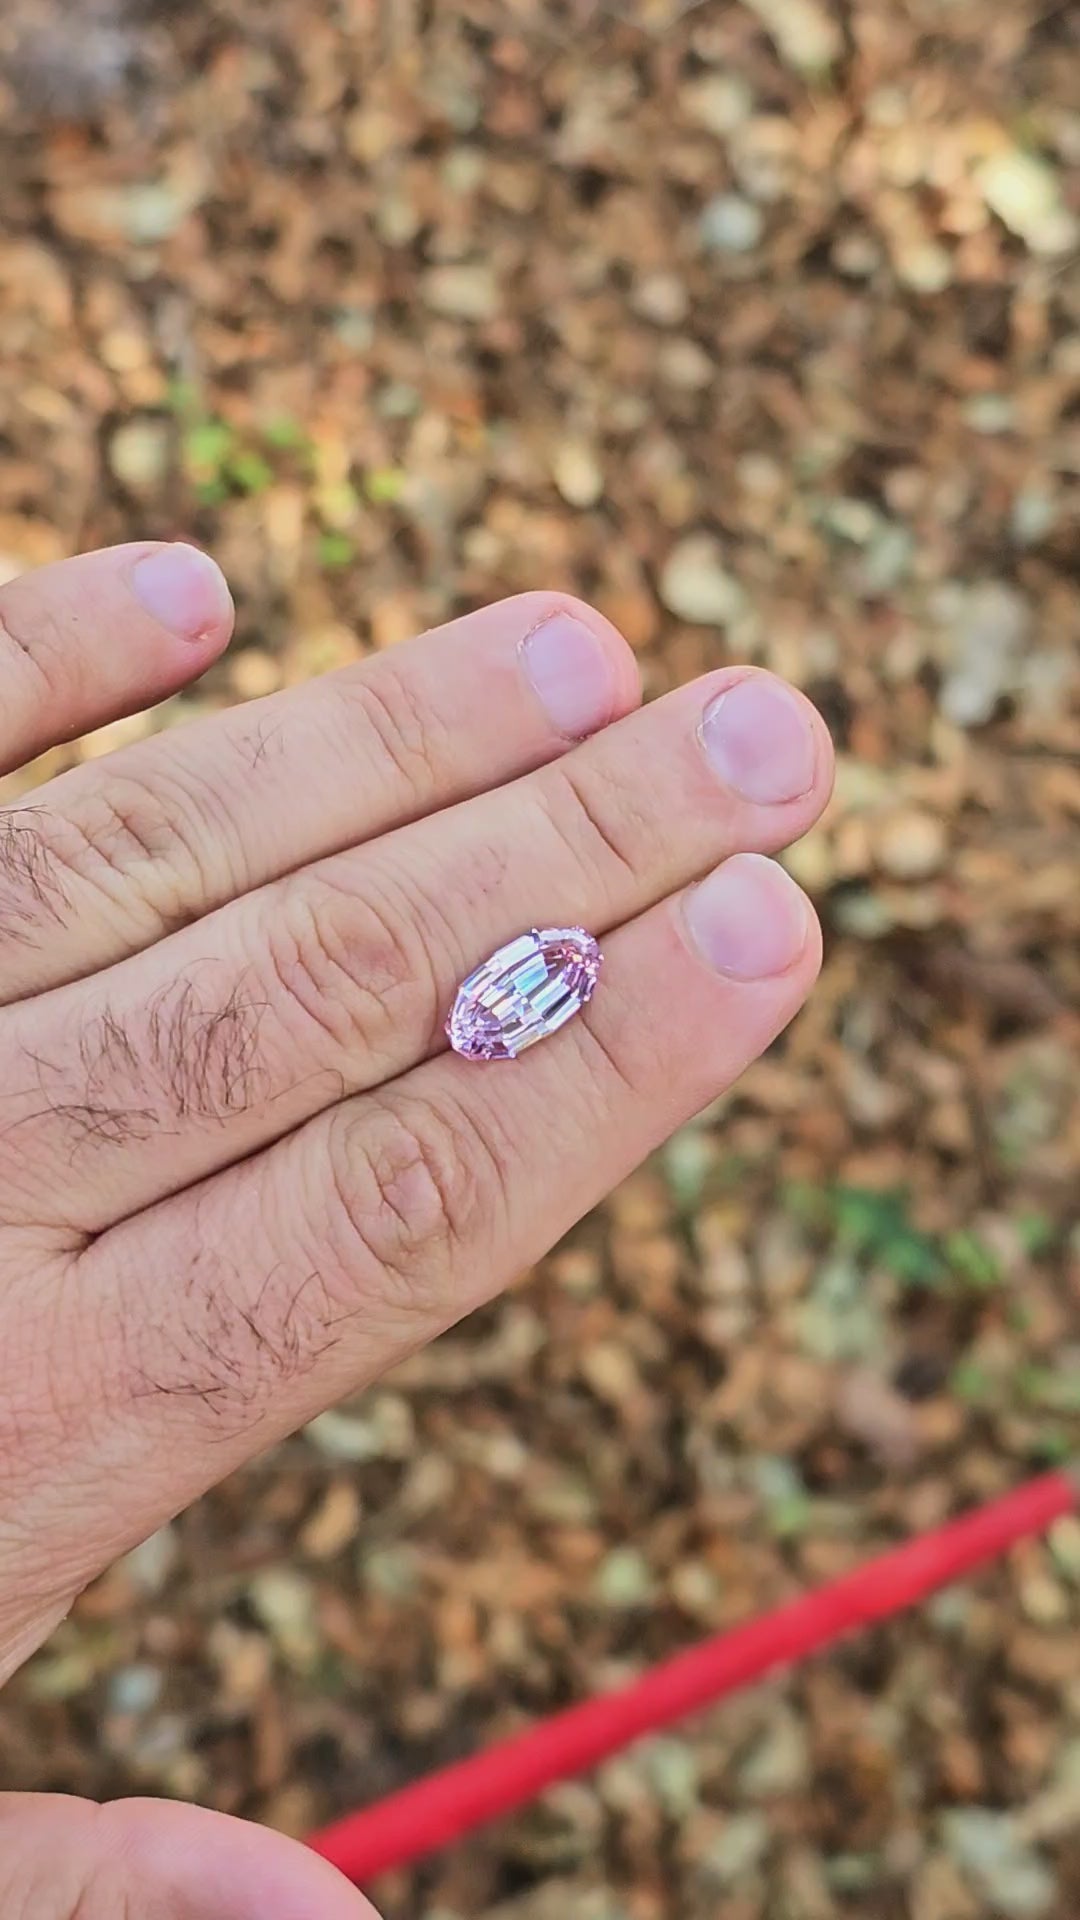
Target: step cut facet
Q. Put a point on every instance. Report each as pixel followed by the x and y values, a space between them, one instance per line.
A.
pixel 528 989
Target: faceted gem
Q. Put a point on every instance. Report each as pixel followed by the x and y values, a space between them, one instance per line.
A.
pixel 528 989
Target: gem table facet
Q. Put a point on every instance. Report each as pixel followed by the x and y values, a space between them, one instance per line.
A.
pixel 528 989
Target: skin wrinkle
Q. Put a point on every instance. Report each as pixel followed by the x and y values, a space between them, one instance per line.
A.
pixel 138 826
pixel 347 963
pixel 68 1359
pixel 402 728
pixel 49 638
pixel 407 1187
pixel 134 813
pixel 48 858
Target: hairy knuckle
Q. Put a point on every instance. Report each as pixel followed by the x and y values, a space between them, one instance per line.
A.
pixel 124 838
pixel 121 832
pixel 33 883
pixel 407 1199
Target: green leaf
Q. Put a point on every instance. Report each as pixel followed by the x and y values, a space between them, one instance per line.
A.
pixel 335 550
pixel 791 1517
pixel 207 447
pixel 1028 1382
pixel 913 1258
pixel 972 1383
pixel 182 397
pixel 249 472
pixel 1053 1446
pixel 876 1225
pixel 384 485
pixel 687 1159
pixel 811 1205
pixel 867 1219
pixel 972 1261
pixel 284 433
pixel 1037 1233
pixel 1047 1388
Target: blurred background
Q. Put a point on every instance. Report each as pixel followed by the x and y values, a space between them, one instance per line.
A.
pixel 757 322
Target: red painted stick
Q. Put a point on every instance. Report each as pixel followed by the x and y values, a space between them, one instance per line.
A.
pixel 446 1805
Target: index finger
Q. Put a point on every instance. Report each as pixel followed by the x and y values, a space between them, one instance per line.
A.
pixel 104 634
pixel 118 852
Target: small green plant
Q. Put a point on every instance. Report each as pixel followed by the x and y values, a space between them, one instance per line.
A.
pixel 1053 1447
pixel 384 485
pixel 1048 1389
pixel 335 550
pixel 219 459
pixel 875 1228
pixel 971 1261
pixel 972 1383
pixel 224 462
pixel 1036 1233
pixel 1043 1396
pixel 286 435
pixel 249 472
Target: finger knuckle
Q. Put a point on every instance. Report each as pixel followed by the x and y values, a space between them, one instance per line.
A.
pixel 56 1860
pixel 409 1196
pixel 346 966
pixel 131 829
pixel 39 647
pixel 398 723
pixel 592 815
pixel 633 1072
pixel 125 839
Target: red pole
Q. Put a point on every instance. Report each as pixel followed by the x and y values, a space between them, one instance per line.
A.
pixel 444 1806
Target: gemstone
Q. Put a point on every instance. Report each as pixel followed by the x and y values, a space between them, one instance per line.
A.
pixel 528 989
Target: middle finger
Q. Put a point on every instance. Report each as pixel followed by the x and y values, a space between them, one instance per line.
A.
pixel 232 1032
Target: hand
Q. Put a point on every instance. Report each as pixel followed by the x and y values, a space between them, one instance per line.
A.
pixel 240 1174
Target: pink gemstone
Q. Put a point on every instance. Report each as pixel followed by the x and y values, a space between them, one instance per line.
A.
pixel 530 988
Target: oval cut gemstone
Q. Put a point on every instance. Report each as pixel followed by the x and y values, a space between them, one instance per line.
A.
pixel 528 989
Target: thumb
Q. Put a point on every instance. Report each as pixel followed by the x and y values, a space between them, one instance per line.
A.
pixel 61 1858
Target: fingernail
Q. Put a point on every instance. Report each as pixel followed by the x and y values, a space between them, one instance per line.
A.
pixel 748 919
pixel 759 739
pixel 571 675
pixel 184 590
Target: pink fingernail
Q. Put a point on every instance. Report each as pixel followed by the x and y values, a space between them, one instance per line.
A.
pixel 748 919
pixel 184 590
pixel 571 675
pixel 759 737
